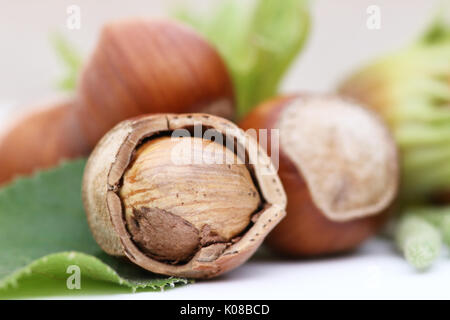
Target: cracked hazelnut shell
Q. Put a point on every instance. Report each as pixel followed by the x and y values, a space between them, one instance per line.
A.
pixel 339 167
pixel 107 199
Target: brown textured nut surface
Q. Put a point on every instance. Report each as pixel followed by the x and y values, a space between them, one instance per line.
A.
pixel 196 179
pixel 183 176
pixel 339 168
pixel 142 66
pixel 112 157
pixel 163 235
pixel 40 138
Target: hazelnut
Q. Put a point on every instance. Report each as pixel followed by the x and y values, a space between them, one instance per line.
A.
pixel 142 66
pixel 40 138
pixel 188 218
pixel 138 66
pixel 339 167
pixel 197 204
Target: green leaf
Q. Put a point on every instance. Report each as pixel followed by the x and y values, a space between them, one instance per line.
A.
pixel 258 40
pixel 43 231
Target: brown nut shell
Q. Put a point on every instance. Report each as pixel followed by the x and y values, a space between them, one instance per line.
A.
pixel 39 139
pixel 339 168
pixel 111 158
pixel 142 66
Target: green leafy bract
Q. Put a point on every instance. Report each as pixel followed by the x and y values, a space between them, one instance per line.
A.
pixel 411 90
pixel 258 40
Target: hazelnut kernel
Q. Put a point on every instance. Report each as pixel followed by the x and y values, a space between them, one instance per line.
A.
pixel 174 205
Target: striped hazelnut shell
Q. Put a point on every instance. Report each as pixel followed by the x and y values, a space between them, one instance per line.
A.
pixel 40 138
pixel 142 66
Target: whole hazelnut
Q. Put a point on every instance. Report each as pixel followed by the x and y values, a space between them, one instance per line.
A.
pixel 139 66
pixel 339 167
pixel 182 206
pixel 142 66
pixel 40 138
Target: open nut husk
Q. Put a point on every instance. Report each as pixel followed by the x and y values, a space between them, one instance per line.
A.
pixel 113 156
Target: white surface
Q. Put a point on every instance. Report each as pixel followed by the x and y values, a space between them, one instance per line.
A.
pixel 375 271
pixel 339 42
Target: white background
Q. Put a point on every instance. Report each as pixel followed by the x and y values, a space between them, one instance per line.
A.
pixel 339 42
